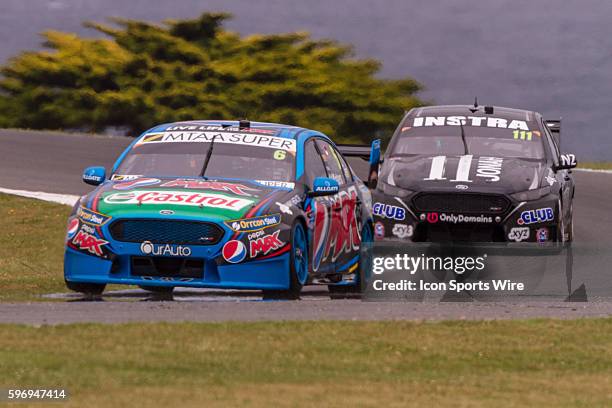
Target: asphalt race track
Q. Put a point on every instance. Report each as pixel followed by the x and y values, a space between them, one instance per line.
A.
pixel 52 162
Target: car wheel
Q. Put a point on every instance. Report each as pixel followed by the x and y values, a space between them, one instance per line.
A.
pixel 363 270
pixel 157 289
pixel 298 265
pixel 86 288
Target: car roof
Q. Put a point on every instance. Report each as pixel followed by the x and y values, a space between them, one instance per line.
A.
pixel 467 110
pixel 287 131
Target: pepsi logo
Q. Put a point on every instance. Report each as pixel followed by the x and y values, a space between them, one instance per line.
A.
pixel 234 251
pixel 139 182
pixel 73 226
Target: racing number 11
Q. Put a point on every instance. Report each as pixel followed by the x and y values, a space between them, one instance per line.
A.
pixel 438 163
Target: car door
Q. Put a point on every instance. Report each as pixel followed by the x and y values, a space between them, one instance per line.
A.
pixel 563 176
pixel 343 239
pixel 318 211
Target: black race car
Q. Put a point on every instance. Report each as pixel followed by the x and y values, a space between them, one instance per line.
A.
pixel 475 174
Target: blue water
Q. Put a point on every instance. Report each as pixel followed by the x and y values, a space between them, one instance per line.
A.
pixel 552 56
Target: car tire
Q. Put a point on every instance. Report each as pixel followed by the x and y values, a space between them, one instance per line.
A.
pixel 298 265
pixel 86 288
pixel 361 283
pixel 157 289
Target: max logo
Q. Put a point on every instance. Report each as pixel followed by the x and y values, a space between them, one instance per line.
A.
pixel 89 243
pixel 335 227
pixel 432 218
pixel 265 244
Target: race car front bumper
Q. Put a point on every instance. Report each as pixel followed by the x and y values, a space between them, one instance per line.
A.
pixel 131 268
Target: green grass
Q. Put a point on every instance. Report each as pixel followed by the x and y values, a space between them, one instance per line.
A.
pixel 459 364
pixel 596 165
pixel 31 247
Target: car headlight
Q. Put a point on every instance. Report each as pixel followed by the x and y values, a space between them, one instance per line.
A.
pixel 394 191
pixel 532 194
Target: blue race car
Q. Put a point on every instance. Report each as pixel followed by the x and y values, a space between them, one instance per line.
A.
pixel 221 204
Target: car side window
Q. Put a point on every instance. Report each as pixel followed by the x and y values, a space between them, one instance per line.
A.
pixel 346 169
pixel 313 164
pixel 331 161
pixel 554 148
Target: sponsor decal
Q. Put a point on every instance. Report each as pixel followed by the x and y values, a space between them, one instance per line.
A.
pixel 276 184
pixel 178 198
pixel 234 251
pixel 403 231
pixel 136 182
pixel 389 211
pixel 379 230
pixel 519 234
pixel 148 248
pixel 536 216
pixel 568 160
pixel 91 217
pixel 88 228
pixel 265 244
pixel 73 226
pixel 238 189
pixel 286 206
pixel 254 224
pixel 220 128
pixel 89 243
pixel 166 212
pixel 433 218
pixel 336 228
pixel 542 234
pixel 124 177
pixel 139 182
pixel 469 121
pixel 92 177
pixel 255 235
pixel 487 167
pixel 285 209
pixel 197 136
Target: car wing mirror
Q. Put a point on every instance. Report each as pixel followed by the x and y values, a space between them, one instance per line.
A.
pixel 566 162
pixel 94 175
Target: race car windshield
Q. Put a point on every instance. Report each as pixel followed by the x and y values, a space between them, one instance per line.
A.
pixel 480 141
pixel 227 160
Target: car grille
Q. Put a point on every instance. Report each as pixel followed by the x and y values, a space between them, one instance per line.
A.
pixel 167 267
pixel 465 203
pixel 459 233
pixel 166 232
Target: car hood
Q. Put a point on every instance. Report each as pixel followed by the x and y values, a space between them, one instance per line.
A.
pixel 470 173
pixel 217 200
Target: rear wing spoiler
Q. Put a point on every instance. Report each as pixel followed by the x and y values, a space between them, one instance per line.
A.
pixel 355 150
pixel 363 159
